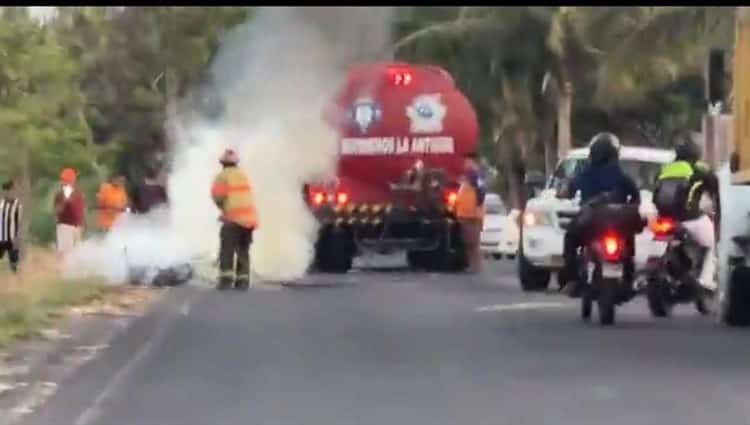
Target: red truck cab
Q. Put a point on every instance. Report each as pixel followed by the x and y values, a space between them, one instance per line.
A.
pixel 388 116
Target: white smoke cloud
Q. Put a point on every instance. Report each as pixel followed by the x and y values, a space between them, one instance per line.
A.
pixel 276 73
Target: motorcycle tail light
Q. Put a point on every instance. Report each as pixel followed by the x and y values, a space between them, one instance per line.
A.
pixel 662 226
pixel 612 247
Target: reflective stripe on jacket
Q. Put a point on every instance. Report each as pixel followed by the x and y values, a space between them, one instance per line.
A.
pixel 232 193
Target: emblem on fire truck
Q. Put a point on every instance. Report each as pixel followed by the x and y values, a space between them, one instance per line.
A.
pixel 365 112
pixel 426 114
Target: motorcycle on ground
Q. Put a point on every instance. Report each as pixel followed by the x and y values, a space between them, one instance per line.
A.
pixel 670 279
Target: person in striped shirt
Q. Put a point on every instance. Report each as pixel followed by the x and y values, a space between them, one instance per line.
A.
pixel 10 223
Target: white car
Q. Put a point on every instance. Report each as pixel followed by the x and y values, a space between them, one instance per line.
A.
pixel 500 230
pixel 543 225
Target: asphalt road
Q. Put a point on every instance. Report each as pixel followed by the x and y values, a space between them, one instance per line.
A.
pixel 395 347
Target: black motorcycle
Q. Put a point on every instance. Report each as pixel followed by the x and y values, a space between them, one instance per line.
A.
pixel 605 263
pixel 670 279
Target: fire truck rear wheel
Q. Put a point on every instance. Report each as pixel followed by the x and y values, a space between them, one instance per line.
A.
pixel 444 258
pixel 333 251
pixel 418 260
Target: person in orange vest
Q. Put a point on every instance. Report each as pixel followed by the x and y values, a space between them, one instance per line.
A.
pixel 470 213
pixel 111 201
pixel 233 195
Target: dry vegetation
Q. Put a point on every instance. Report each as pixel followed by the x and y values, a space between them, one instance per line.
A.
pixel 32 300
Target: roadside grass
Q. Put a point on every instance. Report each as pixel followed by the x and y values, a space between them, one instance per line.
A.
pixel 34 299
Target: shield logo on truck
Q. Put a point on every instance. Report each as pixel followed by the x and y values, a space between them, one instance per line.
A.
pixel 364 113
pixel 426 114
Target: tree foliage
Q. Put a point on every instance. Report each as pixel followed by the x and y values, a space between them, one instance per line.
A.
pixel 90 88
pixel 93 87
pixel 632 70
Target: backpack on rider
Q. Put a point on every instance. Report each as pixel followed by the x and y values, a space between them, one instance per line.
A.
pixel 673 187
pixel 678 188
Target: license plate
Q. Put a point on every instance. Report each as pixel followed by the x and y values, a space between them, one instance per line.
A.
pixel 612 270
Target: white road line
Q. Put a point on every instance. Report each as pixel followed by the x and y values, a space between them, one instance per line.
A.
pixel 523 306
pixel 94 411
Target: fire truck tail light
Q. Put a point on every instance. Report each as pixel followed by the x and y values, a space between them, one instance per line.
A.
pixel 450 197
pixel 318 198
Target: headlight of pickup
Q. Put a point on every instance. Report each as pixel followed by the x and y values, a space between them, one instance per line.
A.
pixel 535 218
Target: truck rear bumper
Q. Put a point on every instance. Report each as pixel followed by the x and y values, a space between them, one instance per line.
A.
pixel 384 229
pixel 400 244
pixel 377 236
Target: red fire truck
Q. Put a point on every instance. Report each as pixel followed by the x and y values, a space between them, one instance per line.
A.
pixel 390 116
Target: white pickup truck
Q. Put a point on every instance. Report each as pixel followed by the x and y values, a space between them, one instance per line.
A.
pixel 543 221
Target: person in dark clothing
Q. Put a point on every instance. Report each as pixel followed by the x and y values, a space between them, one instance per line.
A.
pixel 603 176
pixel 10 224
pixel 149 194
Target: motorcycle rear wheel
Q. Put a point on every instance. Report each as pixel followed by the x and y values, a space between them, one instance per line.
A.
pixel 705 305
pixel 606 300
pixel 587 303
pixel 657 302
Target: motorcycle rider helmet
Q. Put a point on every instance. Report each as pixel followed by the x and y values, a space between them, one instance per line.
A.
pixel 603 148
pixel 686 149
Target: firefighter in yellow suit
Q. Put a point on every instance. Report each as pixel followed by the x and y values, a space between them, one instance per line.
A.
pixel 232 193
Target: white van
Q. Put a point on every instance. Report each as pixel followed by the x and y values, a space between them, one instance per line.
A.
pixel 497 238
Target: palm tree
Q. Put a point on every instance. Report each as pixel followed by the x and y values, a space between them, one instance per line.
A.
pixel 644 48
pixel 609 58
pixel 503 83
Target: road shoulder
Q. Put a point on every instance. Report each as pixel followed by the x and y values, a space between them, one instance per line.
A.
pixel 32 371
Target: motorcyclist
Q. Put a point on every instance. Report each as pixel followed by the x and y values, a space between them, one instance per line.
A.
pixel 602 175
pixel 698 183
